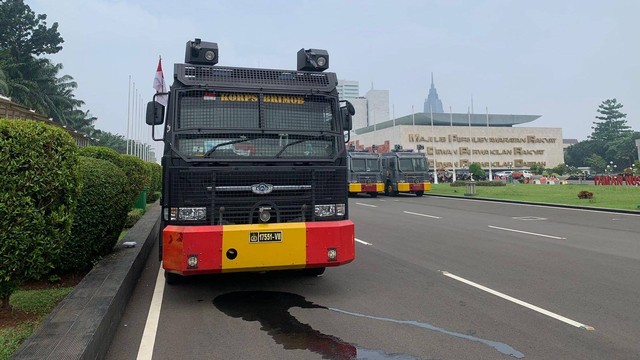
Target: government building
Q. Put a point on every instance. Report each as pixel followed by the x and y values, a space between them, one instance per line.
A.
pixel 452 141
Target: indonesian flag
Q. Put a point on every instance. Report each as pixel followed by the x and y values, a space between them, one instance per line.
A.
pixel 158 84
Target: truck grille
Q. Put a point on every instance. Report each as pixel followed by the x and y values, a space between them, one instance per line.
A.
pixel 366 178
pixel 415 178
pixel 236 196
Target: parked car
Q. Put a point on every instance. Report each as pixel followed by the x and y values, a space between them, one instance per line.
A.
pixel 522 174
pixel 506 173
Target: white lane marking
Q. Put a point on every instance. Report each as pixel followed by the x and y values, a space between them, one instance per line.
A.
pixel 526 218
pixel 425 215
pixel 539 205
pixel 383 200
pixel 362 242
pixel 145 351
pixel 528 233
pixel 520 302
pixel 369 205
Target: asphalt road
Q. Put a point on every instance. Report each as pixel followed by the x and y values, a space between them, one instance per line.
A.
pixel 434 278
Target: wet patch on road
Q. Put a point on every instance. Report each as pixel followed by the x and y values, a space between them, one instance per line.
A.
pixel 271 309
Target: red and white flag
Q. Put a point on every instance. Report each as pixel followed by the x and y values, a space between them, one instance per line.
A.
pixel 158 84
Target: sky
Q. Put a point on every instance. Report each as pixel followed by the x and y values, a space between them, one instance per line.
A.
pixel 557 59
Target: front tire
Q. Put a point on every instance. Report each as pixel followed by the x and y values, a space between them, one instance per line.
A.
pixel 314 271
pixel 419 193
pixel 172 278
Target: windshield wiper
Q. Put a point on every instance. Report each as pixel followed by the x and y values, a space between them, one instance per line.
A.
pixel 210 151
pixel 298 142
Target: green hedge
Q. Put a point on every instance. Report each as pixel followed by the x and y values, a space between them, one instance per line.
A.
pixel 101 152
pixel 137 174
pixel 132 217
pixel 38 194
pixel 155 184
pixel 101 214
pixel 460 183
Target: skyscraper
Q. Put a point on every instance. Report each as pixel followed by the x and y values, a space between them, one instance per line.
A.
pixel 432 103
pixel 348 89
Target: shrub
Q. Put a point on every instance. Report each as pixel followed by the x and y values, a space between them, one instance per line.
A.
pixel 132 217
pixel 584 194
pixel 38 191
pixel 100 217
pixel 152 197
pixel 459 183
pixel 134 169
pixel 137 174
pixel 101 152
pixel 155 185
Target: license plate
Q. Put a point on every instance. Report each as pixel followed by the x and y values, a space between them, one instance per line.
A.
pixel 265 236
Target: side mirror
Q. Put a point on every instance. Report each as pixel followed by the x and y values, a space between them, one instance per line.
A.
pixel 347 111
pixel 155 113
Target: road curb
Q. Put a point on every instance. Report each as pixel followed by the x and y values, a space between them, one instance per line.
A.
pixel 84 323
pixel 622 211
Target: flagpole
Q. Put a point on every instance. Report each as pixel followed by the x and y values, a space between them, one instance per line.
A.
pixel 471 151
pixel 453 163
pixel 140 147
pixel 137 124
pixel 433 147
pixel 490 170
pixel 128 113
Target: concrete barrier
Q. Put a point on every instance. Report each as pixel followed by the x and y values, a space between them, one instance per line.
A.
pixel 84 323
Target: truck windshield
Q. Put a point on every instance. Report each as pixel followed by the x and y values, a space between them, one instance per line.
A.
pixel 255 125
pixel 222 110
pixel 413 164
pixel 267 146
pixel 365 165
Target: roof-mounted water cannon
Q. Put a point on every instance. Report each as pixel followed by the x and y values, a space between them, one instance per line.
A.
pixel 201 52
pixel 313 60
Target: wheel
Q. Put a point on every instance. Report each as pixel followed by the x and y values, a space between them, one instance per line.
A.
pixel 373 194
pixel 172 279
pixel 419 193
pixel 314 271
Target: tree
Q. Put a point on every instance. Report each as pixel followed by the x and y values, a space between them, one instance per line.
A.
pixel 596 162
pixel 476 170
pixel 23 33
pixel 4 85
pixel 576 155
pixel 612 122
pixel 560 169
pixel 623 151
pixel 537 169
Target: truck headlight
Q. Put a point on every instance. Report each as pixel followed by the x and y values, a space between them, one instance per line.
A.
pixel 330 210
pixel 325 210
pixel 192 213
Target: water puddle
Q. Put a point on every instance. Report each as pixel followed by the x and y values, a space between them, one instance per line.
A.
pixel 271 309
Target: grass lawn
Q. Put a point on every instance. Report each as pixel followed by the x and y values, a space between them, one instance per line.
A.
pixel 614 197
pixel 29 308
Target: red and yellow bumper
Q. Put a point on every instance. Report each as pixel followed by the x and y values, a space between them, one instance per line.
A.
pixel 256 247
pixel 356 188
pixel 414 187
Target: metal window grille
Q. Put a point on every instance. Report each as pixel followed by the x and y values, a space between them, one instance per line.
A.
pixel 229 196
pixel 264 78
